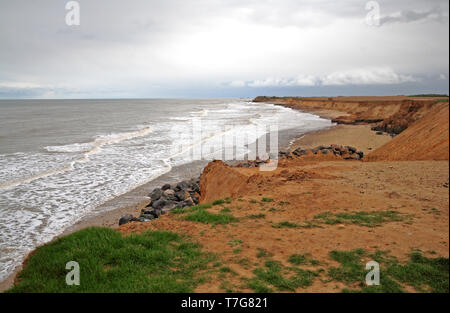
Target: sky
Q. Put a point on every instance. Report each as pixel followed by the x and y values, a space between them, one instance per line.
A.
pixel 223 48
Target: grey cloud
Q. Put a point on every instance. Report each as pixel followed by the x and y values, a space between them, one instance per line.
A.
pixel 408 16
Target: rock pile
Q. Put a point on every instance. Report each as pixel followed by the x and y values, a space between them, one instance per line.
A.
pixel 181 195
pixel 345 152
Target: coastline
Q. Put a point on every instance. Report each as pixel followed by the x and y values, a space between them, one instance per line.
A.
pixel 359 135
pixel 109 213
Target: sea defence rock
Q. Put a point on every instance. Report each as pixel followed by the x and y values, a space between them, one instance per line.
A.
pixel 332 151
pixel 165 199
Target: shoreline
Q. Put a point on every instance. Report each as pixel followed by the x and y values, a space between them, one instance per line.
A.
pixel 109 217
pixel 360 135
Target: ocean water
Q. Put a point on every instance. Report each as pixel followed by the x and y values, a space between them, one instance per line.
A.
pixel 62 159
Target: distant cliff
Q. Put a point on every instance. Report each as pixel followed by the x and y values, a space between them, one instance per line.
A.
pixel 389 114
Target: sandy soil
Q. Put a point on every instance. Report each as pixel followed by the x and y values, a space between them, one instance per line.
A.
pixel 411 188
pixel 359 136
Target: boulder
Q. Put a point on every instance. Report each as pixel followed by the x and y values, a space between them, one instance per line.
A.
pixel 159 204
pixel 156 194
pixel 126 219
pixel 165 187
pixel 168 192
pixel 351 149
pixel 183 186
pixel 180 195
pixel 168 207
pixel 147 217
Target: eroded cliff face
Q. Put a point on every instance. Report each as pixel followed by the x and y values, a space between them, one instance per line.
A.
pixel 219 181
pixel 426 139
pixel 391 114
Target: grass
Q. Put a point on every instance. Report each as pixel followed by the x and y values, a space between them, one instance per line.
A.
pixel 256 216
pixel 222 201
pixel 369 219
pixel 225 210
pixel 266 199
pixel 262 253
pixel 422 273
pixel 273 276
pixel 150 262
pixel 286 224
pixel 191 209
pixel 302 259
pixel 205 217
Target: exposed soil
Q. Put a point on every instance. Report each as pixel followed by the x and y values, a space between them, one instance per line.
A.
pixel 414 189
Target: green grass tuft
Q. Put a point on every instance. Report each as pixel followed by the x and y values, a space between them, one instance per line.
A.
pixel 150 262
pixel 256 216
pixel 205 217
pixel 369 219
pixel 272 276
pixel 266 199
pixel 302 259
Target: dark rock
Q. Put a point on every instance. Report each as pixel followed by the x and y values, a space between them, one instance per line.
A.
pixel 182 186
pixel 156 194
pixel 147 217
pixel 180 195
pixel 159 204
pixel 168 207
pixel 165 187
pixel 126 219
pixel 361 154
pixel 325 151
pixel 351 149
pixel 187 203
pixel 379 133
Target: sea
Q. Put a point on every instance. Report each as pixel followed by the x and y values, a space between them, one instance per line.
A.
pixel 62 160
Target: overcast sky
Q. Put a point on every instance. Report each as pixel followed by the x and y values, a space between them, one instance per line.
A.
pixel 223 48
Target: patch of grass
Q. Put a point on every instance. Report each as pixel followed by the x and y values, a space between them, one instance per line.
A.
pixel 283 203
pixel 225 210
pixel 369 219
pixel 263 253
pixel 302 259
pixel 234 242
pixel 422 273
pixel 267 200
pixel 191 209
pixel 225 269
pixel 217 202
pixel 205 217
pixel 272 275
pixel 150 262
pixel 255 216
pixel 285 224
pixel 237 250
pixel 272 209
pixel 351 268
pixel 441 100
